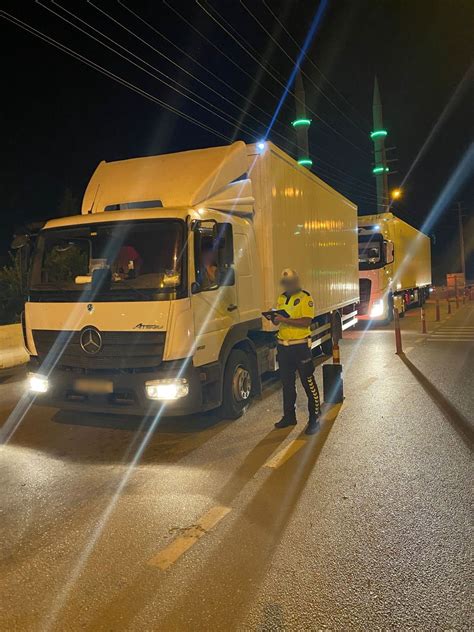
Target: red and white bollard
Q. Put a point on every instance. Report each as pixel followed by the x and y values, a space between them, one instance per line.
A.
pixel 423 321
pixel 438 315
pixel 398 333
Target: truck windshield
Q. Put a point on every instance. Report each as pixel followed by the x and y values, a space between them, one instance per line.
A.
pixel 118 260
pixel 370 251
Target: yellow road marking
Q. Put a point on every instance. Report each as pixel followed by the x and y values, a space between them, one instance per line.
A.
pixel 283 455
pixel 331 411
pixel 168 556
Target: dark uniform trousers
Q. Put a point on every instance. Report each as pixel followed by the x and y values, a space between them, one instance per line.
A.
pixel 291 359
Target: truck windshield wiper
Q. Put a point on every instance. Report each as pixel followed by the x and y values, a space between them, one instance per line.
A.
pixel 131 287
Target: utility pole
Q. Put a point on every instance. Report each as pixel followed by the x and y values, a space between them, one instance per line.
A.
pixel 461 239
pixel 380 170
pixel 301 123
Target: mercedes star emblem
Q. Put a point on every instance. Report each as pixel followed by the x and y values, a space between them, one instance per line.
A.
pixel 91 341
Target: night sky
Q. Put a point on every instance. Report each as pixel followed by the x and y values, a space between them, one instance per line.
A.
pixel 59 117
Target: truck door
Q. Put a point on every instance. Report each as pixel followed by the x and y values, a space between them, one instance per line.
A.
pixel 214 293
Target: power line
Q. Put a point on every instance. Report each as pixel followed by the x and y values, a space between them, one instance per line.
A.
pixel 69 51
pixel 220 95
pixel 229 118
pixel 202 66
pixel 194 99
pixel 128 84
pixel 293 61
pixel 315 66
pixel 225 118
pixel 208 41
pixel 247 50
pixel 221 52
pixel 361 183
pixel 342 179
pixel 344 185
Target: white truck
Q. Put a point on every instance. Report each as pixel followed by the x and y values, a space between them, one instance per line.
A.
pixel 394 266
pixel 153 295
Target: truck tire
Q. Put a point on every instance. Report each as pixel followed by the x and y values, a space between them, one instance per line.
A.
pixel 237 385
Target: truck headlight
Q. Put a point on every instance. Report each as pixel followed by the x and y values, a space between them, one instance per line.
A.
pixel 167 389
pixel 377 308
pixel 37 383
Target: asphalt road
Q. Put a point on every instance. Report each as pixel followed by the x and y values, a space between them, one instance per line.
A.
pixel 205 524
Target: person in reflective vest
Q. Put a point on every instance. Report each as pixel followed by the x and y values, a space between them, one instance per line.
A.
pixel 294 350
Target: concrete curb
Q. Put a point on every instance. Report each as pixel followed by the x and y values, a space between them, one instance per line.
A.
pixel 12 349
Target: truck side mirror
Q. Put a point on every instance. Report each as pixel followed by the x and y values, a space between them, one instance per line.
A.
pixel 225 244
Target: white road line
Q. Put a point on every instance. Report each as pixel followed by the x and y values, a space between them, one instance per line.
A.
pixel 452 333
pixel 453 330
pixel 450 339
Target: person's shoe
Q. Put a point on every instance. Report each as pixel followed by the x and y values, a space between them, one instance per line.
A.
pixel 284 423
pixel 313 426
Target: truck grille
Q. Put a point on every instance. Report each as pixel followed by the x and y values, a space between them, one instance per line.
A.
pixel 364 292
pixel 120 349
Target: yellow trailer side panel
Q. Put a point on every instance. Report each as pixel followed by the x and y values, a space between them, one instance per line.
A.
pixel 412 256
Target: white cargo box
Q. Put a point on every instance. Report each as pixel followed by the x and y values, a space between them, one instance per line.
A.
pixel 303 223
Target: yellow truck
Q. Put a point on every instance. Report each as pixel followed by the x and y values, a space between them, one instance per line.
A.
pixel 154 295
pixel 394 266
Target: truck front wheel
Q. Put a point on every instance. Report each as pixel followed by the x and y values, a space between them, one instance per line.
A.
pixel 237 386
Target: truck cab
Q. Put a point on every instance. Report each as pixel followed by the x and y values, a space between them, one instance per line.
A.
pixel 376 257
pixel 394 266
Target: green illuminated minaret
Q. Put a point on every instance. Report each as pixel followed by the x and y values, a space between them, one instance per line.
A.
pixel 301 123
pixel 380 169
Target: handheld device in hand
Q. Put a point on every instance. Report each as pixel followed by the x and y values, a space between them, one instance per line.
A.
pixel 270 315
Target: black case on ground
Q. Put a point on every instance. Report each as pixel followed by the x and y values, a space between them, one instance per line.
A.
pixel 333 385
